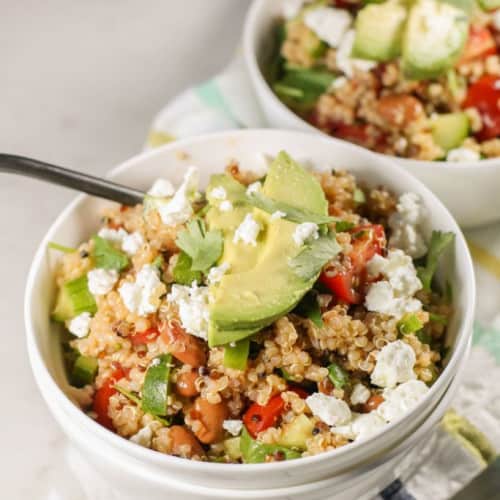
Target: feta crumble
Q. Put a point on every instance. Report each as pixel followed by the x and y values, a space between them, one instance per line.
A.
pixel 345 62
pixel 114 236
pixel 218 193
pixel 247 231
pixel 101 281
pixel 360 394
pixel 328 23
pixel 338 83
pixel 254 188
pixel 305 232
pixel 142 296
pixel 193 308
pixel 462 154
pixel 291 8
pixel 362 426
pixel 408 224
pixel 394 365
pixel 132 243
pixel 144 437
pixel 79 326
pixel 215 274
pixel 178 210
pixel 401 399
pixel 279 214
pixel 329 409
pixel 394 296
pixel 496 20
pixel 225 206
pixel 233 426
pixel 162 188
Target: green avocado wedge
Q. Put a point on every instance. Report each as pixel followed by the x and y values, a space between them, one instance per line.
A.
pixel 251 298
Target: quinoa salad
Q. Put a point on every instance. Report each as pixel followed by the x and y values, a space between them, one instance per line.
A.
pixel 263 319
pixel 417 79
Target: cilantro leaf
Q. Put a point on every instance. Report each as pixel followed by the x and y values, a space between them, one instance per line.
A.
pixel 439 243
pixel 309 262
pixel 182 271
pixel 293 214
pixel 203 247
pixel 106 256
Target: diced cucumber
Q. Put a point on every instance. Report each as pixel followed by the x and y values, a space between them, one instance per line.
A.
pixel 236 356
pixel 84 371
pixel 232 448
pixel 434 39
pixel 489 4
pixel 73 299
pixel 297 432
pixel 379 31
pixel 450 130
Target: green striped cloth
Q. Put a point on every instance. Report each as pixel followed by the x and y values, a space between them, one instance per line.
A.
pixel 470 433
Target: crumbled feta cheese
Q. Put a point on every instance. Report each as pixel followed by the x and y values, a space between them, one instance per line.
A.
pixel 304 232
pixel 193 308
pixel 328 23
pixel 225 206
pixel 142 296
pixel 329 409
pixel 233 426
pixel 394 296
pixel 112 235
pixel 178 210
pixel 496 19
pixel 394 365
pixel 278 215
pixel 162 188
pixel 345 62
pixel 247 231
pixel 215 274
pixel 254 188
pixel 132 243
pixel 360 394
pixel 408 225
pixel 219 193
pixel 79 326
pixel 496 83
pixel 291 8
pixel 101 281
pixel 462 154
pixel 402 399
pixel 363 425
pixel 144 437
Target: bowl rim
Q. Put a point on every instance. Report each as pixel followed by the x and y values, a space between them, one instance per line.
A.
pixel 47 384
pixel 258 80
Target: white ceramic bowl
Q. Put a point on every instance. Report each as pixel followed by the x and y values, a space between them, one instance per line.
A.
pixel 468 189
pixel 137 469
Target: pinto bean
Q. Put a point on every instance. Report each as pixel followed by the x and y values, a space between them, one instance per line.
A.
pixel 186 384
pixel 183 443
pixel 184 347
pixel 211 417
pixel 399 110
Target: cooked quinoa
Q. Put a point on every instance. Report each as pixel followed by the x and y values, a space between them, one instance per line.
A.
pixel 337 67
pixel 358 348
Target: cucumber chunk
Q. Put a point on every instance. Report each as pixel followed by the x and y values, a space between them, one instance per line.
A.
pixel 450 130
pixel 73 299
pixel 297 432
pixel 84 371
pixel 236 356
pixel 434 39
pixel 379 31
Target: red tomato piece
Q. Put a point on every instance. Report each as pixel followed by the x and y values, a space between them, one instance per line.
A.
pixel 353 133
pixel 145 337
pixel 348 286
pixel 484 95
pixel 103 395
pixel 480 43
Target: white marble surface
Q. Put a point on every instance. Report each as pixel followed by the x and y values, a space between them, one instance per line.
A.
pixel 80 82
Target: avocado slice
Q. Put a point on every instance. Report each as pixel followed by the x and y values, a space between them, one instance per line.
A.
pixel 73 299
pixel 247 300
pixel 379 31
pixel 450 130
pixel 297 432
pixel 434 39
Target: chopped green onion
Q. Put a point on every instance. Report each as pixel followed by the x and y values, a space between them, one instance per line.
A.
pixel 106 256
pixel 254 452
pixel 182 272
pixel 61 248
pixel 338 376
pixel 236 356
pixel 308 307
pixel 159 262
pixel 157 385
pixel 410 323
pixel 287 376
pixel 439 243
pixel 359 196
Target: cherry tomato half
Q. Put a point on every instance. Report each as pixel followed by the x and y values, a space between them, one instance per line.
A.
pixel 145 337
pixel 103 395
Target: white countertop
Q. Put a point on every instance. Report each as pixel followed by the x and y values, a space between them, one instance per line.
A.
pixel 79 85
